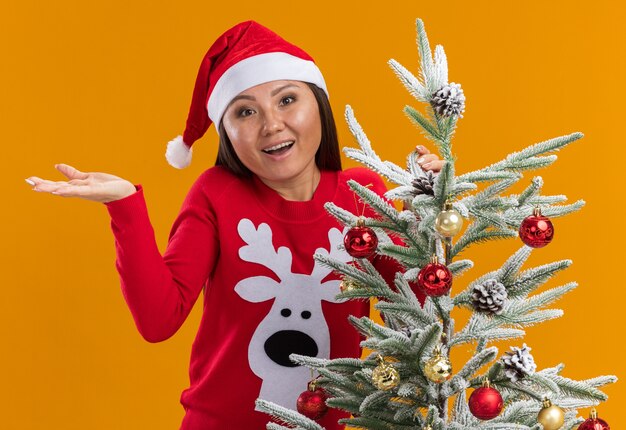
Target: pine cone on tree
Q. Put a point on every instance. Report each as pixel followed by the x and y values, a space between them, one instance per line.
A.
pixel 489 297
pixel 424 184
pixel 406 330
pixel 449 100
pixel 518 363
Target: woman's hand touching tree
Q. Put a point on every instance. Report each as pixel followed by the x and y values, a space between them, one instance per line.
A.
pixel 428 161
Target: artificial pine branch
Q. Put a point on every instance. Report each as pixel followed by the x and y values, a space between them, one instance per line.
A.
pixel 373 200
pixel 543 201
pixel 274 426
pixel 476 362
pixel 428 129
pixel 410 82
pixel 472 238
pixel 460 266
pixel 428 68
pixel 444 184
pixel 372 424
pixel 515 216
pixel 446 127
pixel 517 160
pixel 287 415
pixel 493 334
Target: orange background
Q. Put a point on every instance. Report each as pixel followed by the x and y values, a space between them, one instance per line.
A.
pixel 103 86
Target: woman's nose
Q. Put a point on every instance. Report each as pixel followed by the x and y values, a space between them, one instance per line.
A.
pixel 272 122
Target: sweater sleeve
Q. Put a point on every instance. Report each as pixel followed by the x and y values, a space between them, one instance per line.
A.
pixel 160 290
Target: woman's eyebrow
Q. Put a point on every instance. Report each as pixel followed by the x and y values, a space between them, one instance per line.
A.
pixel 241 96
pixel 273 93
pixel 277 90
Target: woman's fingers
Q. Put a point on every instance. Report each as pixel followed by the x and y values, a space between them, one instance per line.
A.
pixel 76 178
pixel 421 150
pixel 430 162
pixel 425 160
pixel 48 186
pixel 72 191
pixel 37 181
pixel 435 165
pixel 65 189
pixel 71 172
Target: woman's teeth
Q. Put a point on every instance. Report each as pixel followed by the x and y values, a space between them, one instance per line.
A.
pixel 278 147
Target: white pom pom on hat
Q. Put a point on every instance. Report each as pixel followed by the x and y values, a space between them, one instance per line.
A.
pixel 178 154
pixel 246 55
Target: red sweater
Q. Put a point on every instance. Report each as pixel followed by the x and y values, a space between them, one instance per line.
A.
pixel 251 251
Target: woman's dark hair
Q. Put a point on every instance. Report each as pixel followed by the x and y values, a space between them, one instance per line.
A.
pixel 327 156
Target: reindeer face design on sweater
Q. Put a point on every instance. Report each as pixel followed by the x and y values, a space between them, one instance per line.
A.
pixel 295 323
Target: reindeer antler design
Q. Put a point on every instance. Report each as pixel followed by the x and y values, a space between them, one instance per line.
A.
pixel 260 248
pixel 335 238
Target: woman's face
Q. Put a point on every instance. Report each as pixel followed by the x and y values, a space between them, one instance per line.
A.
pixel 275 130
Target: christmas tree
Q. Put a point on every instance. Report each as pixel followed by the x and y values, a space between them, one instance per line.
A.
pixel 407 381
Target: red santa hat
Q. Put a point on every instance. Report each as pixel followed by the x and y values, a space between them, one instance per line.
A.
pixel 246 55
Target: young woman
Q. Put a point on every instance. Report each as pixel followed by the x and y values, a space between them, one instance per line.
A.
pixel 246 233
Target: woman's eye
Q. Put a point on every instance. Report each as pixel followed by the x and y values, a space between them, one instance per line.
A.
pixel 287 100
pixel 245 112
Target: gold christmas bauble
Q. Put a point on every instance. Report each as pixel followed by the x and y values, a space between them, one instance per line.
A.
pixel 385 376
pixel 449 222
pixel 438 368
pixel 348 284
pixel 551 417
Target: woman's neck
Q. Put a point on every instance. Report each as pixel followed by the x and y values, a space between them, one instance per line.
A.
pixel 298 189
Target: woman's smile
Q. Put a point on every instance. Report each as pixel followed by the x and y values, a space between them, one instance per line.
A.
pixel 280 148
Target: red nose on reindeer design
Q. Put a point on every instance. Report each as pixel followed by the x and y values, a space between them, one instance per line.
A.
pixel 295 323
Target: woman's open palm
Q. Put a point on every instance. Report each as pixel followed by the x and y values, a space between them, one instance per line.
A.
pixel 95 186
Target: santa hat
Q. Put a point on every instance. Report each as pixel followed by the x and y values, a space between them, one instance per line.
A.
pixel 246 55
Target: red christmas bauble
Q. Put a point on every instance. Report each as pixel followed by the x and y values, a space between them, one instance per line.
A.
pixel 485 403
pixel 536 230
pixel 434 279
pixel 312 403
pixel 594 423
pixel 597 424
pixel 360 241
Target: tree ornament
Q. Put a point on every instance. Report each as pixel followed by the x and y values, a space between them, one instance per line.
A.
pixel 360 241
pixel 424 184
pixel 536 230
pixel 489 297
pixel 449 100
pixel 449 222
pixel 551 417
pixel 349 284
pixel 385 376
pixel 438 368
pixel 594 423
pixel 518 363
pixel 434 279
pixel 406 330
pixel 312 402
pixel 485 403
